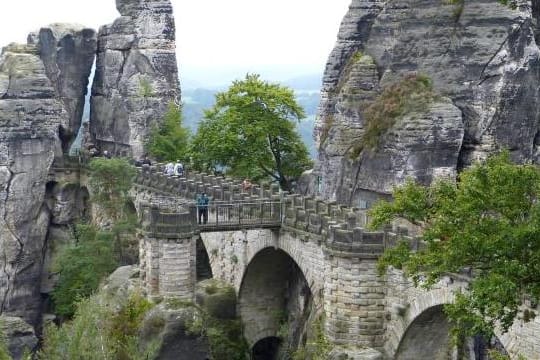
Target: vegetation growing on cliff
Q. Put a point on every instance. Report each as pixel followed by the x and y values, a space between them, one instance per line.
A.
pixel 4 353
pixel 82 267
pixel 170 141
pixel 413 93
pixel 110 181
pixel 251 133
pixel 95 252
pixel 98 331
pixel 318 347
pixel 216 320
pixel 489 221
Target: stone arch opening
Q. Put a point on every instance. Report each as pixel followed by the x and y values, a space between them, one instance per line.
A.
pixel 428 337
pixel 274 301
pixel 266 348
pixel 202 262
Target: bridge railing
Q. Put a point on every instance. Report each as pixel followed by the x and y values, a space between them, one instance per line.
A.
pixel 223 215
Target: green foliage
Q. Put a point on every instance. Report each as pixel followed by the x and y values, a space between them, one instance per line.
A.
pixel 488 222
pixel 126 323
pixel 251 133
pixel 82 266
pixel 325 129
pixel 318 347
pixel 170 141
pixel 413 93
pixel 215 320
pixel 4 353
pixel 111 180
pixel 85 338
pixel 145 88
pixel 97 331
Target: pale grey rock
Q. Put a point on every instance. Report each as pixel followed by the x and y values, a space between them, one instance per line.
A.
pixel 68 52
pixel 136 76
pixel 20 336
pixel 422 146
pixel 484 59
pixel 42 88
pixel 30 115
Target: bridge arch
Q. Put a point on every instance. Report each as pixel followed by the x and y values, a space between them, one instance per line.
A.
pixel 273 291
pixel 421 328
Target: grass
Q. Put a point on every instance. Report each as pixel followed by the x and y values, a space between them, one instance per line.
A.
pixel 413 93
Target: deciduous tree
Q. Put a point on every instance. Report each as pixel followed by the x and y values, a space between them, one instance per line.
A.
pixel 488 221
pixel 251 132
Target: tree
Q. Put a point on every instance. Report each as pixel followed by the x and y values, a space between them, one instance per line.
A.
pixel 489 222
pixel 170 141
pixel 251 133
pixel 110 181
pixel 81 268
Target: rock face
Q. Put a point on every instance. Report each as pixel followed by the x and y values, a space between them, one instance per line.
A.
pixel 483 61
pixel 21 336
pixel 68 52
pixel 36 83
pixel 136 76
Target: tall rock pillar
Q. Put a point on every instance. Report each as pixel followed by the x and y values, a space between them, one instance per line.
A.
pixel 136 76
pixel 37 81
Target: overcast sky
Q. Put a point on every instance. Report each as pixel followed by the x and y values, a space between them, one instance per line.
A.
pixel 212 35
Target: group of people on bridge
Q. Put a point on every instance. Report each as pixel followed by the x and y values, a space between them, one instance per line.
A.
pixel 174 169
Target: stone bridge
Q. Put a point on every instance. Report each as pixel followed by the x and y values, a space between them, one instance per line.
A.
pixel 325 244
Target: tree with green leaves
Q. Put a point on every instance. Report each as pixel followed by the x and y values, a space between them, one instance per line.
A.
pixel 489 222
pixel 251 133
pixel 110 181
pixel 170 141
pixel 81 268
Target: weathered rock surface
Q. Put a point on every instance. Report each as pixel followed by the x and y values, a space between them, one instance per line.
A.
pixel 136 76
pixel 482 56
pixel 68 52
pixel 38 81
pixel 30 115
pixel 20 336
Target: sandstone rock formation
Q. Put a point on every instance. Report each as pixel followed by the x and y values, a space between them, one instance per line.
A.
pixel 136 76
pixel 483 60
pixel 38 81
pixel 21 336
pixel 68 52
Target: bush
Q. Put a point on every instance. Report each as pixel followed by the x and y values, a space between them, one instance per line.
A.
pixel 413 93
pixel 98 332
pixel 126 323
pixel 4 353
pixel 82 267
pixel 110 181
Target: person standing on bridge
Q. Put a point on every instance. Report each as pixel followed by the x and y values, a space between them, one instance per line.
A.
pixel 202 208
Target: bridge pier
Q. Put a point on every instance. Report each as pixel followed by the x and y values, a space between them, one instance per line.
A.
pixel 168 253
pixel 354 292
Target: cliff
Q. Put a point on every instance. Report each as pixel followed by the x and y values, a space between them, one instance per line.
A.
pixel 482 63
pixel 136 76
pixel 41 87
